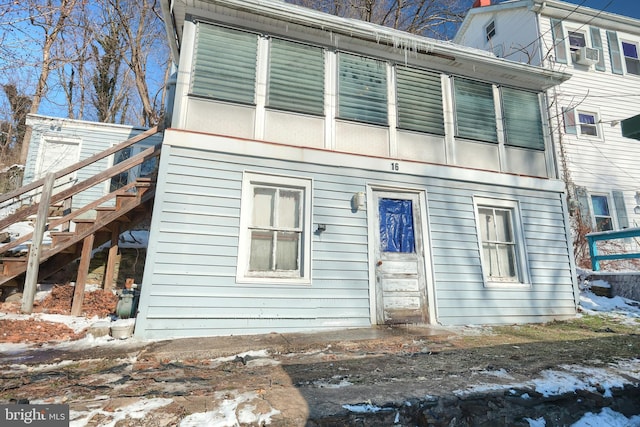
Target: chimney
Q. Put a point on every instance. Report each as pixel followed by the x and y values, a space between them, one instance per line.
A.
pixel 482 3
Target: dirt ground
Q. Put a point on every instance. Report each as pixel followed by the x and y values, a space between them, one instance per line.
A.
pixel 298 380
pixel 96 303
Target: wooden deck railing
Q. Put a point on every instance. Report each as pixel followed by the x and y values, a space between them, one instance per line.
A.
pixel 19 196
pixel 592 238
pixel 47 198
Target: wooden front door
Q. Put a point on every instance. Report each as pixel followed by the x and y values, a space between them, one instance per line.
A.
pixel 401 293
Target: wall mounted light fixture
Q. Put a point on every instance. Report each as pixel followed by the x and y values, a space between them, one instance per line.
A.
pixel 357 201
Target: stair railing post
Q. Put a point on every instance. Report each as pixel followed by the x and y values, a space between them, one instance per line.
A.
pixel 33 260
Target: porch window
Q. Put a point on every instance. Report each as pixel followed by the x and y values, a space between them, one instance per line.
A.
pixel 475 110
pixel 225 64
pixel 296 77
pixel 275 239
pixel 362 89
pixel 522 118
pixel 502 247
pixel 419 100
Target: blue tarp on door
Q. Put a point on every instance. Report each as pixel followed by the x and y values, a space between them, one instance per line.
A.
pixel 396 225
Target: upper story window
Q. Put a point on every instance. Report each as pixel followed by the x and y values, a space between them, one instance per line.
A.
pixel 576 40
pixel 631 60
pixel 579 122
pixel 522 118
pixel 490 30
pixel 296 77
pixel 475 110
pixel 362 89
pixel 588 123
pixel 224 65
pixel 419 100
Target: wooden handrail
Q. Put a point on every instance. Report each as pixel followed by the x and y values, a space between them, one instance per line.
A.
pixel 26 237
pixel 88 183
pixel 76 166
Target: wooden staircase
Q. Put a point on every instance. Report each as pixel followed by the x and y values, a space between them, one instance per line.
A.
pixel 75 232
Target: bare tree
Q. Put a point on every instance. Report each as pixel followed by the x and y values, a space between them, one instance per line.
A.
pixel 13 129
pixel 432 18
pixel 50 17
pixel 106 99
pixel 142 30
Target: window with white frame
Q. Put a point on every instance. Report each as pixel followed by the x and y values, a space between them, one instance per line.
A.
pixel 576 40
pixel 631 60
pixel 490 30
pixel 588 123
pixel 362 89
pixel 603 219
pixel 419 100
pixel 474 110
pixel 522 118
pixel 296 77
pixel 224 64
pixel 501 240
pixel 275 241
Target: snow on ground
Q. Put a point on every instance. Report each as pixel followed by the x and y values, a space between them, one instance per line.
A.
pixel 231 412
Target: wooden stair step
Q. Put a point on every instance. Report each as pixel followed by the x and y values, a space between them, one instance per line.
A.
pixel 123 199
pixel 59 237
pixel 101 211
pixel 13 265
pixel 83 224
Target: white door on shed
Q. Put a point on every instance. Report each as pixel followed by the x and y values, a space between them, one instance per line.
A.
pixel 401 289
pixel 56 154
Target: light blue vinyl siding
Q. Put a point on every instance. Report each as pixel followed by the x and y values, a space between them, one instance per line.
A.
pixel 475 110
pixel 296 77
pixel 462 298
pixel 225 64
pixel 419 99
pixel 522 118
pixel 190 287
pixel 362 89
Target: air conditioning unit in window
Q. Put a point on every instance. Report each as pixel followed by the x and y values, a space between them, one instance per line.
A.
pixel 587 55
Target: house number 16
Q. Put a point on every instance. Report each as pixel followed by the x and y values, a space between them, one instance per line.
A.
pixel 395 166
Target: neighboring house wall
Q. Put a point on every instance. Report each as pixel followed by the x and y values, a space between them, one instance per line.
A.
pixel 321 174
pixel 507 34
pixel 57 143
pixel 587 109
